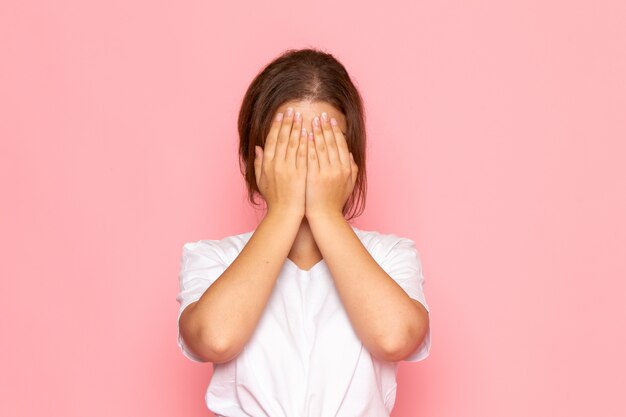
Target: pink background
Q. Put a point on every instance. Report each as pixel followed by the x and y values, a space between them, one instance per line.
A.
pixel 497 141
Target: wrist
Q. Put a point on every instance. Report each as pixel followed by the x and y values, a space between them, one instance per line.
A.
pixel 324 215
pixel 285 213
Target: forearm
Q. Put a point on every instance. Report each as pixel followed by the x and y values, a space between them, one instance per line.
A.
pixel 229 310
pixel 385 318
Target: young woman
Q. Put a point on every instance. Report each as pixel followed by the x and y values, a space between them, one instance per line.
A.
pixel 306 315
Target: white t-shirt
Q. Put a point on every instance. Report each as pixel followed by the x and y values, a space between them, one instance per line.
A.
pixel 304 358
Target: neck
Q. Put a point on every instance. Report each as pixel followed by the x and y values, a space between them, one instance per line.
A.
pixel 304 249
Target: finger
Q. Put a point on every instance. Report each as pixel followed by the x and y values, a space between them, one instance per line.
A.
pixel 283 135
pixel 272 136
pixel 355 168
pixel 258 162
pixel 340 140
pixel 294 139
pixel 320 144
pixel 313 165
pixel 329 138
pixel 303 148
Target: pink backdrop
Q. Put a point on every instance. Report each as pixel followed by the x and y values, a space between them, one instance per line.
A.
pixel 497 141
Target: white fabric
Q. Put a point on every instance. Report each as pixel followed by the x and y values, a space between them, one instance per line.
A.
pixel 304 358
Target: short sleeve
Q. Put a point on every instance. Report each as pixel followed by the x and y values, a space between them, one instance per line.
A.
pixel 402 262
pixel 200 265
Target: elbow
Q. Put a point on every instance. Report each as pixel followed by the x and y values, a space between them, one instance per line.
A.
pixel 215 349
pixel 394 351
pixel 397 351
pixel 202 341
pixel 207 349
pixel 398 347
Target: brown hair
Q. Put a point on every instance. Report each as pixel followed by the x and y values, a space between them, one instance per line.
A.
pixel 304 74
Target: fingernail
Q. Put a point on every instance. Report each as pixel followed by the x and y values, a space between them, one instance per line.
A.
pixel 279 117
pixel 289 111
pixel 316 121
pixel 333 121
pixel 297 116
pixel 324 116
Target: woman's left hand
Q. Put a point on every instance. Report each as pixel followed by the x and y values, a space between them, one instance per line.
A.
pixel 331 170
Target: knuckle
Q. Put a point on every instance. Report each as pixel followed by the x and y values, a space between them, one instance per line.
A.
pixel 281 137
pixel 287 120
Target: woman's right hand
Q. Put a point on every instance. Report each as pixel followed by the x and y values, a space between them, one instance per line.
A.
pixel 280 168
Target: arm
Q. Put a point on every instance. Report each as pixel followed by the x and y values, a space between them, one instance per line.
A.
pixel 389 323
pixel 219 324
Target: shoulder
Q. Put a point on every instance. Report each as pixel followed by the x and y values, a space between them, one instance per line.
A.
pixel 224 249
pixel 383 244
